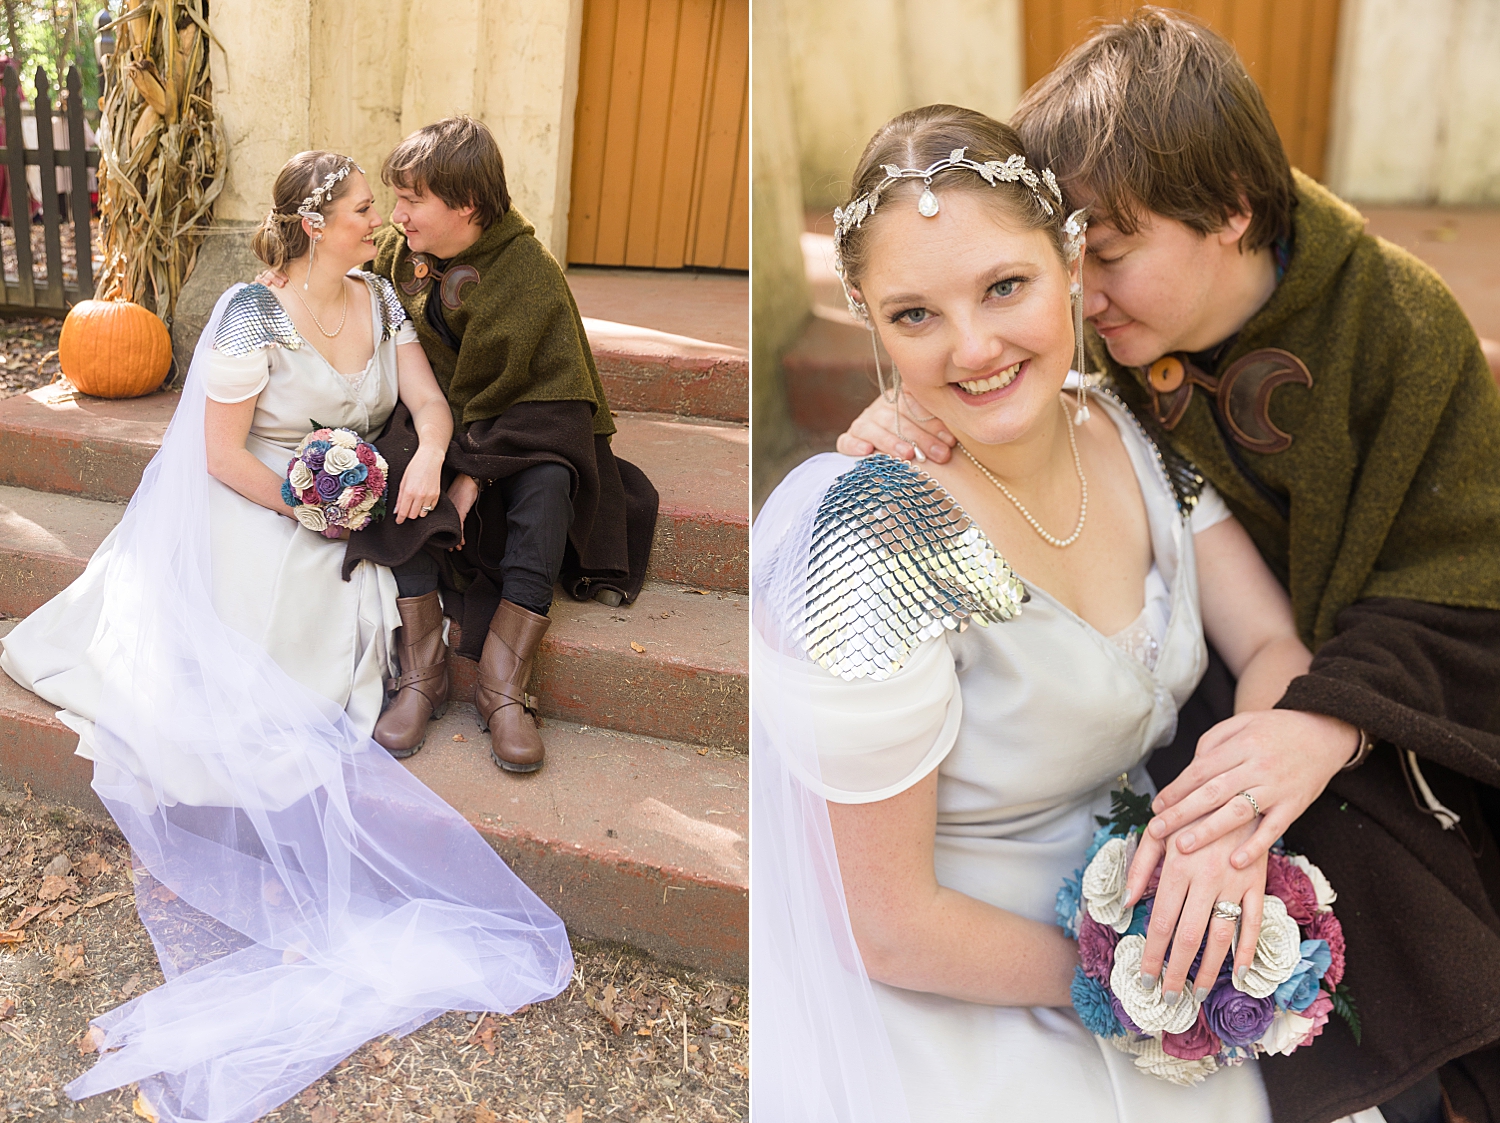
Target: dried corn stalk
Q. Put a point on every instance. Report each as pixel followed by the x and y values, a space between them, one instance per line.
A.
pixel 161 153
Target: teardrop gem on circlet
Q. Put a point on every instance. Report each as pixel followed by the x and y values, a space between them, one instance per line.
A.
pixel 927 205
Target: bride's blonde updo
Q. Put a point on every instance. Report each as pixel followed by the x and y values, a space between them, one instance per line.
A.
pixel 280 237
pixel 919 138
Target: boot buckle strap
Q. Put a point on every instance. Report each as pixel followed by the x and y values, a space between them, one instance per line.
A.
pixel 421 674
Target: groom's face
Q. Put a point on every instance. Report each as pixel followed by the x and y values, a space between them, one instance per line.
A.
pixel 1166 287
pixel 431 225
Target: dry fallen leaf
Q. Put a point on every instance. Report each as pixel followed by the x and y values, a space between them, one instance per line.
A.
pixel 483 1114
pixel 143 1109
pixel 129 988
pixel 102 899
pixel 484 1035
pixel 699 592
pixel 459 737
pixel 12 937
pixel 382 1054
pixel 91 865
pixel 70 965
pixel 54 886
pixel 325 1112
pixel 7 1008
pixel 635 646
pixel 574 1116
pixel 92 1040
pixel 27 916
pixel 163 894
pixel 60 866
pixel 62 912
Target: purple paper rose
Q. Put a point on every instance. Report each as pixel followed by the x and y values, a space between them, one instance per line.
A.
pixel 327 487
pixel 1123 1017
pixel 1096 948
pixel 1235 1016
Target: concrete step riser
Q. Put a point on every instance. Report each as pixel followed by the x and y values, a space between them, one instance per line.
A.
pixel 690 387
pixel 586 671
pixel 661 866
pixel 699 540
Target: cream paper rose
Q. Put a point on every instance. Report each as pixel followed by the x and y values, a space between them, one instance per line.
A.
pixel 343 438
pixel 381 464
pixel 366 504
pixel 311 516
pixel 1144 1005
pixel 301 476
pixel 1104 885
pixel 339 460
pixel 1277 952
pixel 1321 886
pixel 1157 1061
pixel 1285 1032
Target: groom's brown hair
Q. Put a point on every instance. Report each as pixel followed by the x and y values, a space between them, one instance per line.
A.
pixel 1157 113
pixel 457 160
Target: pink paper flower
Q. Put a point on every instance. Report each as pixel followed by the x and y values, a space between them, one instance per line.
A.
pixel 1326 926
pixel 1096 948
pixel 1294 887
pixel 376 480
pixel 366 455
pixel 1196 1043
pixel 1320 1009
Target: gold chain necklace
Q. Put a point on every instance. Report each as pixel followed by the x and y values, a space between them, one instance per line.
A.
pixel 1083 509
pixel 326 333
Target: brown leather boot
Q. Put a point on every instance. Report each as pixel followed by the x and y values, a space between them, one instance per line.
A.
pixel 422 689
pixel 505 709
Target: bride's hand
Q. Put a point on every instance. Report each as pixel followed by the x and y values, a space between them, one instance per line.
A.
pixel 421 485
pixel 1190 886
pixel 1283 758
pixel 875 431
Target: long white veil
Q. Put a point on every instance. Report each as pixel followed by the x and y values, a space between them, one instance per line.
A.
pixel 326 896
pixel 820 1051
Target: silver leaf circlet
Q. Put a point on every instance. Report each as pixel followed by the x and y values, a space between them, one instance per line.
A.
pixel 896 561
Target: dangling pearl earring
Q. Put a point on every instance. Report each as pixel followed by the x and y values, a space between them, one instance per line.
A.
pixel 312 253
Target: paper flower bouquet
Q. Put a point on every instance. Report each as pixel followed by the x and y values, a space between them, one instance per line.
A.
pixel 335 482
pixel 1282 1002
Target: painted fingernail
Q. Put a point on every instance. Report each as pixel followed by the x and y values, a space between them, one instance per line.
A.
pixel 1239 975
pixel 1201 993
pixel 1148 982
pixel 1171 997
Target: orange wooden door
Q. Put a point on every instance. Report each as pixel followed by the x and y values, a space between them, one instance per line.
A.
pixel 1287 46
pixel 661 162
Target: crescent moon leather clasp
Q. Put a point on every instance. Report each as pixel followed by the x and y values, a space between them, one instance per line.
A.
pixel 453 284
pixel 1242 393
pixel 1244 396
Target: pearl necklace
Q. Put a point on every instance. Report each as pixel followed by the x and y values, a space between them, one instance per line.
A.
pixel 326 333
pixel 1083 509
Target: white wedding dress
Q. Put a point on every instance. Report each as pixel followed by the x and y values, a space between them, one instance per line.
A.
pixel 1029 723
pixel 224 679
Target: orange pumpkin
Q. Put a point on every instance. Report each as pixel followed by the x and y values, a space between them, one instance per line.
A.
pixel 114 349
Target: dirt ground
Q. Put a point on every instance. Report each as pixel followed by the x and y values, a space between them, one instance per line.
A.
pixel 630 1041
pixel 28 354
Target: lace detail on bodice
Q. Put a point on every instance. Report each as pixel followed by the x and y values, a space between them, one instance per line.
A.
pixel 895 561
pixel 1138 642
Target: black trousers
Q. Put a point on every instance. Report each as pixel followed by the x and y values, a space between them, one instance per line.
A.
pixel 538 513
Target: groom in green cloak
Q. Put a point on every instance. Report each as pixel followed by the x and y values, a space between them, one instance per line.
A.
pixel 1331 389
pixel 534 490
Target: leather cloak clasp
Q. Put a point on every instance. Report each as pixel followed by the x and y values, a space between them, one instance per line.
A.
pixel 450 282
pixel 1243 393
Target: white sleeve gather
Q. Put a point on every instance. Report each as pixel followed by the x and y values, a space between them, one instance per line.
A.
pixel 1209 511
pixel 874 738
pixel 406 333
pixel 234 378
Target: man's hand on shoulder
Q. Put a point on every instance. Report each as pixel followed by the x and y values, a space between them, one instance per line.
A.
pixel 271 279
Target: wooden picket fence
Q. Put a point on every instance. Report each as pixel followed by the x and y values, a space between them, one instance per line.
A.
pixel 24 286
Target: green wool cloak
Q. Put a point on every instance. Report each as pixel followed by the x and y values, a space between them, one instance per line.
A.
pixel 523 338
pixel 1382 518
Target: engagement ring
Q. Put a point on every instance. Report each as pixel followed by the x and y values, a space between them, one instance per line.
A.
pixel 426 510
pixel 1226 910
pixel 1253 804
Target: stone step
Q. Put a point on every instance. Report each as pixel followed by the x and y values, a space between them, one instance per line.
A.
pixel 96 448
pixel 687 683
pixel 628 838
pixel 830 377
pixel 657 372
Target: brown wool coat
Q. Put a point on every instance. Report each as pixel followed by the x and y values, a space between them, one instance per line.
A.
pixel 1391 553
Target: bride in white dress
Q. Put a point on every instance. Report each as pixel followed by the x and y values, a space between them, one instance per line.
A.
pixel 922 787
pixel 225 679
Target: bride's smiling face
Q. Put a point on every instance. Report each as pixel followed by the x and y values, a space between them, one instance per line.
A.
pixel 349 225
pixel 973 309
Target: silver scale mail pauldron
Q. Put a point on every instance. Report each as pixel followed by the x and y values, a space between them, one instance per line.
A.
pixel 255 319
pixel 895 561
